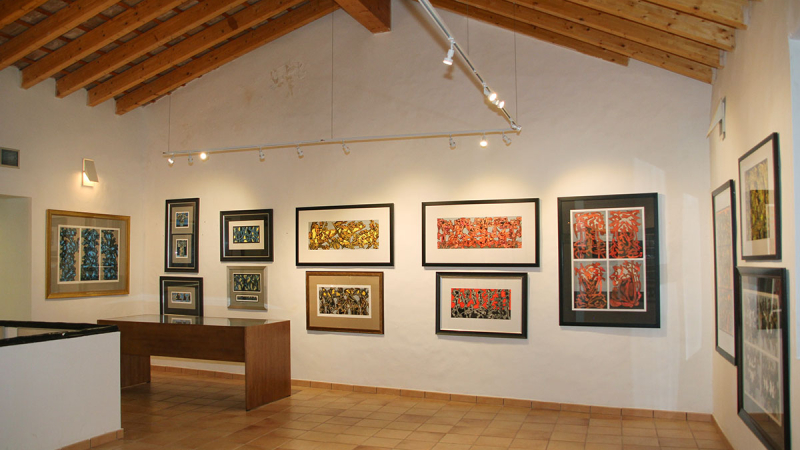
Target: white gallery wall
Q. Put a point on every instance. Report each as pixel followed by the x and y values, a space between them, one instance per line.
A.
pixel 589 128
pixel 757 82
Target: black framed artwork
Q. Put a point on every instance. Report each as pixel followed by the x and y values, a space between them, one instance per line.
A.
pixel 760 184
pixel 182 221
pixel 723 201
pixel 481 233
pixel 608 261
pixel 246 235
pixel 181 295
pixel 482 304
pixel 763 369
pixel 348 235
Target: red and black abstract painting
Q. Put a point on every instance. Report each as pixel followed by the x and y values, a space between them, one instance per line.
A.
pixel 471 303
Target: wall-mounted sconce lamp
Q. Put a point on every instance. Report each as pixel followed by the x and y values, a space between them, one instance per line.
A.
pixel 89 173
pixel 719 118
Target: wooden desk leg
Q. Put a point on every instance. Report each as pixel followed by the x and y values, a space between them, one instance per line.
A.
pixel 267 364
pixel 135 370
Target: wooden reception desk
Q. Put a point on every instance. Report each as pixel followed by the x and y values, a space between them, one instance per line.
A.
pixel 262 345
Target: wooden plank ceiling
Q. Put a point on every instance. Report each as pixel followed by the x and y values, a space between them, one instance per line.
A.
pixel 136 51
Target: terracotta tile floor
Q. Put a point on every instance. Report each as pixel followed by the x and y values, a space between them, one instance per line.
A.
pixel 179 411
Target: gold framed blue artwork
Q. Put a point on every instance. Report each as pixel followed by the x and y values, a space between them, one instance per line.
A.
pixel 87 254
pixel 246 235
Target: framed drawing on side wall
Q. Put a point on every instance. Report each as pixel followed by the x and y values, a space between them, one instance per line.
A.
pixel 759 181
pixel 246 235
pixel 182 221
pixel 353 235
pixel 87 254
pixel 483 233
pixel 725 284
pixel 763 369
pixel 247 287
pixel 181 295
pixel 608 261
pixel 482 304
pixel 350 302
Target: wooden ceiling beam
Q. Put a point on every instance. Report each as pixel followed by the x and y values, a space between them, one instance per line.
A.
pixel 138 46
pixel 50 28
pixel 670 43
pixel 280 26
pixel 95 39
pixel 11 10
pixel 666 19
pixel 532 31
pixel 374 15
pixel 220 31
pixel 726 12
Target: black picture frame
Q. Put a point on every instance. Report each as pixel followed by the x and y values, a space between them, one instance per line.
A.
pixel 510 287
pixel 371 221
pixel 259 220
pixel 636 302
pixel 763 364
pixel 182 230
pixel 760 209
pixel 521 249
pixel 723 207
pixel 181 295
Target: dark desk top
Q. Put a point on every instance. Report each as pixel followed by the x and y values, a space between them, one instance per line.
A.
pixel 194 320
pixel 15 332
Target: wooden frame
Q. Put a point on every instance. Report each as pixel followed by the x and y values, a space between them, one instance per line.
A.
pixel 181 295
pixel 327 290
pixel 482 304
pixel 723 202
pixel 87 254
pixel 507 245
pixel 760 184
pixel 247 287
pixel 763 369
pixel 182 230
pixel 350 235
pixel 608 261
pixel 246 235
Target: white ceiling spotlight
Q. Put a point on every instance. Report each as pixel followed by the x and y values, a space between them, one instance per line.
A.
pixel 452 142
pixel 299 152
pixel 170 161
pixel 448 60
pixel 191 160
pixel 261 154
pixel 345 148
pixel 484 142
pixel 506 139
pixel 203 156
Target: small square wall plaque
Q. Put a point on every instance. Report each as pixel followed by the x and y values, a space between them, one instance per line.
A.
pixel 9 158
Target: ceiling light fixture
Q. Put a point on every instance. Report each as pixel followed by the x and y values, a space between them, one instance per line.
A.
pixel 449 58
pixel 484 142
pixel 506 139
pixel 170 161
pixel 452 142
pixel 203 156
pixel 191 160
pixel 299 152
pixel 261 154
pixel 345 148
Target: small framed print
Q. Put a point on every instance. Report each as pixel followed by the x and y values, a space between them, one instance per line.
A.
pixel 353 235
pixel 246 235
pixel 759 181
pixel 725 283
pixel 181 235
pixel 181 295
pixel 87 254
pixel 482 304
pixel 763 365
pixel 349 302
pixel 247 287
pixel 608 261
pixel 483 233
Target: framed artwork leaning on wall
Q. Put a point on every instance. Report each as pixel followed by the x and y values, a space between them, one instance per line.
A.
pixel 763 369
pixel 181 295
pixel 723 201
pixel 608 261
pixel 482 304
pixel 760 185
pixel 246 235
pixel 481 233
pixel 350 302
pixel 87 254
pixel 182 222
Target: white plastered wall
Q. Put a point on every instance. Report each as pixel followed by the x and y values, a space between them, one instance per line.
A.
pixel 15 258
pixel 590 127
pixel 53 137
pixel 756 81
